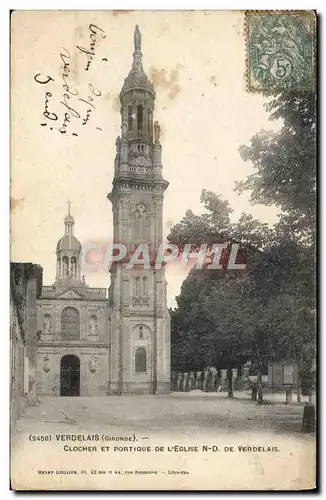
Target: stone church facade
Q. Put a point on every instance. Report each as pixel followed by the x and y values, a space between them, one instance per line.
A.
pixel 91 343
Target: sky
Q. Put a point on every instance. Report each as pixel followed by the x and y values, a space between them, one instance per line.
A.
pixel 196 61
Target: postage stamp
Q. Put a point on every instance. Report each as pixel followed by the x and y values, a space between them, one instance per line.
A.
pixel 280 50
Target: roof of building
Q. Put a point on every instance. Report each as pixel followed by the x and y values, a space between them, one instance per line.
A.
pixel 68 242
pixel 137 77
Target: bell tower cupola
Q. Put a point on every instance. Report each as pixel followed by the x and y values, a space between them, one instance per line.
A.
pixel 68 252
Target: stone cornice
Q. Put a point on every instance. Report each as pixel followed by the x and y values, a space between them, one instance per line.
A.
pixel 73 344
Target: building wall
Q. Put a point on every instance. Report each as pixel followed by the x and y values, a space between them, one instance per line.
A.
pixel 126 320
pixel 25 287
pixel 18 367
pixel 86 309
pixel 93 369
pixel 91 347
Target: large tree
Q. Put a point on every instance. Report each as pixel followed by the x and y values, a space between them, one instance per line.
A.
pixel 266 312
pixel 285 164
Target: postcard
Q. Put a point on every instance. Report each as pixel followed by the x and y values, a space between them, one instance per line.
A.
pixel 163 242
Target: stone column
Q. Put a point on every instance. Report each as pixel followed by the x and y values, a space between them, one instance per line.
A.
pixel 184 382
pixel 214 379
pixel 288 395
pixel 298 394
pixel 205 381
pixel 312 397
pixel 192 381
pixel 223 376
pixel 198 380
pixel 179 379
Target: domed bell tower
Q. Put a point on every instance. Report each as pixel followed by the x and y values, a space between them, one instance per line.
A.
pixel 68 254
pixel 140 318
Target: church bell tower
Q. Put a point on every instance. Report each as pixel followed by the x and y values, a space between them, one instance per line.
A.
pixel 140 321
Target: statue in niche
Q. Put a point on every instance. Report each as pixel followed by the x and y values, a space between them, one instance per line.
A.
pixel 141 208
pixel 124 129
pixel 157 131
pixel 93 364
pixel 117 144
pixel 47 324
pixel 137 38
pixel 46 367
pixel 93 325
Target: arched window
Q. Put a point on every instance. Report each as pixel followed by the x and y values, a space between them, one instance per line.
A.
pixel 149 121
pixel 140 360
pixel 65 264
pixel 141 334
pixel 70 324
pixel 139 117
pixel 73 266
pixel 141 225
pixel 129 118
pixel 145 286
pixel 137 226
pixel 137 287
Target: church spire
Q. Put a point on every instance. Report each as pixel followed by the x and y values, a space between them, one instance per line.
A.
pixel 137 64
pixel 69 221
pixel 137 78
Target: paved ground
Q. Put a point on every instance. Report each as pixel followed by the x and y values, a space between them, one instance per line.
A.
pixel 176 413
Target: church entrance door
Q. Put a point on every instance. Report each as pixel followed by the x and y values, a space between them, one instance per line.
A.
pixel 70 376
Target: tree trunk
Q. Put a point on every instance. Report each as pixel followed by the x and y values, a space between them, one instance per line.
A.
pixel 259 382
pixel 254 393
pixel 298 361
pixel 259 388
pixel 230 380
pixel 298 390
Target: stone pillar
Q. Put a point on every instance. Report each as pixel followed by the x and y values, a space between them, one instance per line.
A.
pixel 245 371
pixel 214 379
pixel 298 394
pixel 223 376
pixel 205 381
pixel 312 397
pixel 198 380
pixel 173 381
pixel 192 381
pixel 288 395
pixel 179 379
pixel 309 419
pixel 234 377
pixel 184 382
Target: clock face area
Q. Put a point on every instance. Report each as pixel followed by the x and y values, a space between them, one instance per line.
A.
pixel 140 161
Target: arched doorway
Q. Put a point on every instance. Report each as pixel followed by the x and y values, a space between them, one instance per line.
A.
pixel 70 376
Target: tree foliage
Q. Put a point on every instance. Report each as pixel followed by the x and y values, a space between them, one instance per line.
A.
pixel 285 164
pixel 266 312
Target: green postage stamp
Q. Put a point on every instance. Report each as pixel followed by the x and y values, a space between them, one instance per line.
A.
pixel 280 50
